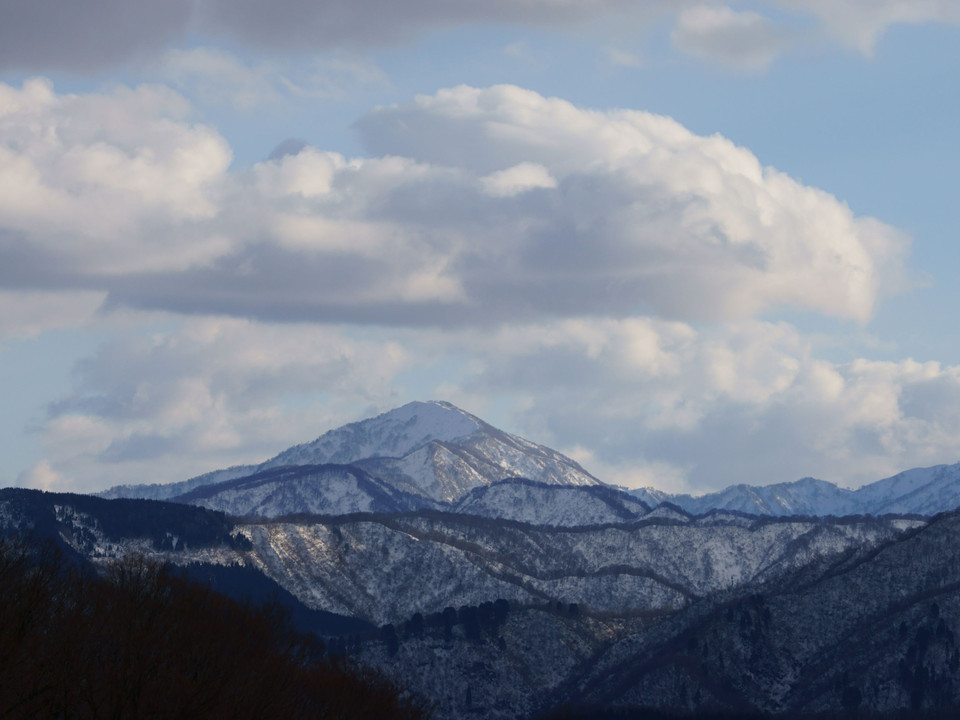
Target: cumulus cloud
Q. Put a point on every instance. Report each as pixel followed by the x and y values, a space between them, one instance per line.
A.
pixel 643 215
pixel 480 206
pixel 744 40
pixel 667 405
pixel 517 179
pixel 100 185
pixel 163 406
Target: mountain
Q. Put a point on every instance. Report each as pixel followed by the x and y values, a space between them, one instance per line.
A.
pixel 801 497
pixel 494 618
pixel 385 568
pixel 875 633
pixel 921 491
pixel 304 489
pixel 924 491
pixel 432 450
pixel 872 631
pixel 435 455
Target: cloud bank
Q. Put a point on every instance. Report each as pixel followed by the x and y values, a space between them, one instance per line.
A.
pixel 478 206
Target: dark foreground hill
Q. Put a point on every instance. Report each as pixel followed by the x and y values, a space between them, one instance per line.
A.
pixel 142 641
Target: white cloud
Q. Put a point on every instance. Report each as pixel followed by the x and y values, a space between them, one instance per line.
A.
pixel 484 206
pixel 644 214
pixel 205 394
pixel 744 40
pixel 638 401
pixel 663 404
pixel 517 179
pixel 106 184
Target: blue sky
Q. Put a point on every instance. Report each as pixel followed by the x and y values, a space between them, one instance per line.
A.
pixel 690 244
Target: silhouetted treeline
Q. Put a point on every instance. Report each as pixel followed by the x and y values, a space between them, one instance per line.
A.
pixel 146 642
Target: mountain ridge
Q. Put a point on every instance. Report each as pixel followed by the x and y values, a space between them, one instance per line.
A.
pixel 434 454
pixel 921 491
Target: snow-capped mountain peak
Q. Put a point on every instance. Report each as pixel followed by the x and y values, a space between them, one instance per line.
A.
pixel 393 434
pixel 433 451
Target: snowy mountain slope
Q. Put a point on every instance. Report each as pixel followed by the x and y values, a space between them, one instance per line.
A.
pixel 439 451
pixel 166 491
pixel 345 489
pixel 716 611
pixel 393 434
pixel 876 634
pixel 305 489
pixel 96 528
pixel 432 449
pixel 802 497
pixel 384 569
pixel 921 491
pixel 541 504
pixel 925 491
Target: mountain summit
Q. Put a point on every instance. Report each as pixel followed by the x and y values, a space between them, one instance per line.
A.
pixel 393 434
pixel 433 452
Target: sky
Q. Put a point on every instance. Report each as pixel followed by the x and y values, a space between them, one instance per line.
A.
pixel 688 243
